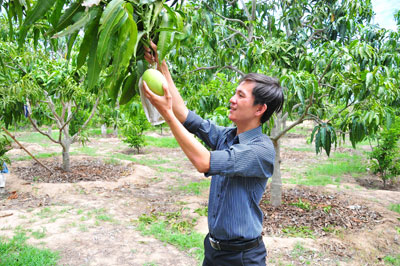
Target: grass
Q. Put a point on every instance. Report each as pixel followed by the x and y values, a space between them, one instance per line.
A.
pixel 337 165
pixel 162 142
pixel 86 150
pixel 38 156
pixel 174 229
pixel 147 162
pixel 392 260
pixel 394 207
pixel 39 234
pixel 202 211
pixel 301 231
pixel 36 137
pixel 196 187
pixel 16 252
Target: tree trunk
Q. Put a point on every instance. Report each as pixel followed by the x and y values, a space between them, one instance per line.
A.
pixel 103 130
pixel 276 184
pixel 116 131
pixel 65 155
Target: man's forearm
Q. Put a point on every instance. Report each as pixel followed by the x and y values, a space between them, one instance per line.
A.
pixel 194 150
pixel 178 105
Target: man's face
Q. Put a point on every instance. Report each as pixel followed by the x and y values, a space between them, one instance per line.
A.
pixel 242 104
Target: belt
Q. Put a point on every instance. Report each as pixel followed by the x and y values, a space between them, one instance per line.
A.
pixel 232 246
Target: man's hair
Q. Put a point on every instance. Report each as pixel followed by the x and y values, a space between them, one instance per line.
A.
pixel 267 90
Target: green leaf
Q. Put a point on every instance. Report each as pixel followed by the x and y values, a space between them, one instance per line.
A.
pixel 66 19
pixel 71 41
pixel 323 135
pixel 55 16
pixel 90 36
pixel 368 80
pixel 114 90
pixel 128 89
pixel 109 21
pixel 164 39
pixel 82 21
pixel 93 65
pixel 40 9
pixel 318 142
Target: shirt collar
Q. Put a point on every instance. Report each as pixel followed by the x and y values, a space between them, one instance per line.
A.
pixel 248 135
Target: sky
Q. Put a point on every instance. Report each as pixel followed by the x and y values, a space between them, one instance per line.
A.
pixel 384 10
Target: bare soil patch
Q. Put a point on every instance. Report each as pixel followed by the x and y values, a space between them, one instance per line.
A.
pixel 318 212
pixel 351 225
pixel 82 169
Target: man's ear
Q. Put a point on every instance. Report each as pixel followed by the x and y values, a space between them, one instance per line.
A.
pixel 261 109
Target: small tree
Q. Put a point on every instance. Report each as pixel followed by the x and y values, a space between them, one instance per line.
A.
pixel 5 146
pixel 385 158
pixel 134 123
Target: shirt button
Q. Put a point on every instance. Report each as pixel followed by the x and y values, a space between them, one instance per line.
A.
pixel 218 195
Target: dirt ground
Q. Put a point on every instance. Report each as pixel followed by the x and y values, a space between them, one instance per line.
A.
pixel 60 210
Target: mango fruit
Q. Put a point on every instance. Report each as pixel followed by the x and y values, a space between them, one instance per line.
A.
pixel 154 80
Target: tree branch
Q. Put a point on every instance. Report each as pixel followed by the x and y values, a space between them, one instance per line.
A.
pixel 53 109
pixel 225 18
pixel 245 9
pixel 298 121
pixel 326 71
pixel 16 141
pixel 87 120
pixel 41 132
pixel 221 67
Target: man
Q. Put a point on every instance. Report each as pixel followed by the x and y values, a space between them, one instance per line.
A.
pixel 240 163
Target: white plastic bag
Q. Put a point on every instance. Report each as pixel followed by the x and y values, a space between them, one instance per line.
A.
pixel 2 181
pixel 152 115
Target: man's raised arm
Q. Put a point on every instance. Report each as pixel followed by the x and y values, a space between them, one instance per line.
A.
pixel 178 105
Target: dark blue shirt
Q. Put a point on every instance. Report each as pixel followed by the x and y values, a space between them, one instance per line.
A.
pixel 240 167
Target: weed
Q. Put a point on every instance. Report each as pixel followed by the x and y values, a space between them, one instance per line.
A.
pixel 338 164
pixel 45 213
pixel 302 231
pixel 172 228
pixel 150 264
pixel 394 207
pixel 17 252
pixel 102 215
pixel 202 211
pixel 112 161
pixel 302 205
pixel 38 156
pixel 163 142
pixel 87 151
pixel 168 170
pixel 196 187
pixel 83 228
pixel 327 209
pixel 392 260
pixel 39 233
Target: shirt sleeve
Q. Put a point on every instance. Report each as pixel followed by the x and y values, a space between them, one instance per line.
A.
pixel 204 129
pixel 246 160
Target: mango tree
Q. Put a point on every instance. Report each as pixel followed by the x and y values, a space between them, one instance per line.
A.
pixel 114 33
pixel 40 86
pixel 344 83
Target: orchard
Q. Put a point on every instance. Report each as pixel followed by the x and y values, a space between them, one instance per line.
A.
pixel 81 153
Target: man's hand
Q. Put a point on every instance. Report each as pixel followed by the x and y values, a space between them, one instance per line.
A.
pixel 178 106
pixel 162 103
pixel 151 56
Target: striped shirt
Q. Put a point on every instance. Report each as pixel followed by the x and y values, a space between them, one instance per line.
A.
pixel 240 167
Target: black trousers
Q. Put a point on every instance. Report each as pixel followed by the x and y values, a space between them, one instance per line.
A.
pixel 253 257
